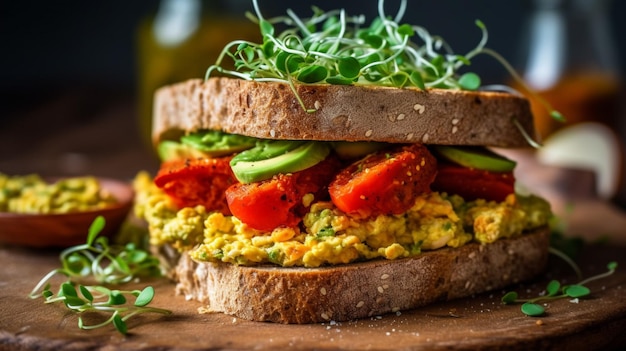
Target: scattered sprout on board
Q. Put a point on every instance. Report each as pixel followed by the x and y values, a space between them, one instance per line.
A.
pixel 98 261
pixel 104 300
pixel 554 290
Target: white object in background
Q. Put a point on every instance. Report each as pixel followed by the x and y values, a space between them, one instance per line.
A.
pixel 176 21
pixel 591 146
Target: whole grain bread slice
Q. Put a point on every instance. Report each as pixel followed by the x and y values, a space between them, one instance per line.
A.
pixel 347 292
pixel 352 113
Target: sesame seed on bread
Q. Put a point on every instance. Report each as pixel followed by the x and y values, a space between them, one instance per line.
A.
pixel 350 113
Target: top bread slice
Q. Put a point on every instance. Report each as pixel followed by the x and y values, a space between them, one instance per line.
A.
pixel 350 113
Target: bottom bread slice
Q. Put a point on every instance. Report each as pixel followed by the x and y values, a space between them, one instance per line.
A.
pixel 353 291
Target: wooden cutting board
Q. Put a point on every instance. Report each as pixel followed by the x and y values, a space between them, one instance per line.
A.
pixel 476 323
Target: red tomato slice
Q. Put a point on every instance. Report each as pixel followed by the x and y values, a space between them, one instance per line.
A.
pixel 264 205
pixel 200 181
pixel 472 184
pixel 384 182
pixel 276 202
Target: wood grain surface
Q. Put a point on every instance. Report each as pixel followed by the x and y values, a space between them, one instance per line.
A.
pixel 597 322
pixel 72 134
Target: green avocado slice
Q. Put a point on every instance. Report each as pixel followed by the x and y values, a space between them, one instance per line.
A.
pixel 265 149
pixel 216 143
pixel 208 143
pixel 171 150
pixel 476 157
pixel 266 160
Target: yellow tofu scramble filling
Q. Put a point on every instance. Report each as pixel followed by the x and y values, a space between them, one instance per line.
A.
pixel 329 236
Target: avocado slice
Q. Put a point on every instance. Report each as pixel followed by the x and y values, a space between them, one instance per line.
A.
pixel 208 143
pixel 171 150
pixel 265 149
pixel 476 157
pixel 216 143
pixel 265 160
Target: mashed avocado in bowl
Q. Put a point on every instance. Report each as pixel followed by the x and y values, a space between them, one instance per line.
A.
pixel 57 212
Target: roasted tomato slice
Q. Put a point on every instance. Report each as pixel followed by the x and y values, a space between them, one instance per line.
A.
pixel 472 184
pixel 278 201
pixel 200 181
pixel 264 205
pixel 386 182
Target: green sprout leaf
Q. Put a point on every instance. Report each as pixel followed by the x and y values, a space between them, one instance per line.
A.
pixel 145 297
pixel 47 294
pixel 249 53
pixel 268 48
pixel 85 292
pixel 293 62
pixel 373 40
pixel 417 80
pixel 463 59
pixel 73 302
pixel 349 67
pixel 553 287
pixel 556 115
pixel 510 297
pixel 554 291
pixel 281 61
pixel 399 79
pixel 77 264
pixel 338 80
pixel 267 29
pixel 116 298
pixel 68 290
pixel 532 309
pixel 313 74
pixel 136 256
pixel 242 46
pixel 95 228
pixel 576 291
pixel 469 81
pixel 406 29
pixel 119 324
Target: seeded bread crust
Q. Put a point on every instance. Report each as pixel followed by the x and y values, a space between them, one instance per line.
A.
pixel 348 292
pixel 352 113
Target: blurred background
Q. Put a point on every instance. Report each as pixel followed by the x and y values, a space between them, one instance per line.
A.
pixel 77 77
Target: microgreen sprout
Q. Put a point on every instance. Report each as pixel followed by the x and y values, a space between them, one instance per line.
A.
pixel 554 290
pixel 103 300
pixel 105 264
pixel 335 48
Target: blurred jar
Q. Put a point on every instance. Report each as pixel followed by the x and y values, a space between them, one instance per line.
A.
pixel 181 41
pixel 569 59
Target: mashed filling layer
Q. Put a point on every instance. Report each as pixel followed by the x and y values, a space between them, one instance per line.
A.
pixel 328 236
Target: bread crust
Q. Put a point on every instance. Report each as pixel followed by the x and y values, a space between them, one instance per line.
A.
pixel 353 291
pixel 352 113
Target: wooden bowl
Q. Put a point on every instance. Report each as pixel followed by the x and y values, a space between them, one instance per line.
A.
pixel 66 229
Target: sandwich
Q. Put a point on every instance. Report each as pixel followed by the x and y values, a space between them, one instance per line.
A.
pixel 340 171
